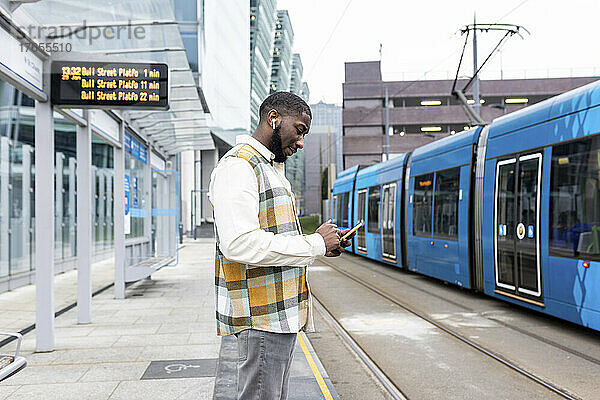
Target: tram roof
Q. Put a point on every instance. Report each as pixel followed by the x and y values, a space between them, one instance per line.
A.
pixel 447 144
pixel 582 98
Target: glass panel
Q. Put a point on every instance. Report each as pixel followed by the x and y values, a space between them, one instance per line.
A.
pixel 102 161
pixel 505 224
pixel 445 213
pixel 19 257
pixel 4 205
pixel 95 216
pixel 389 202
pixel 70 217
pixel 361 241
pixel 58 205
pixel 575 199
pixel 136 170
pixel 422 205
pixel 527 213
pixel 335 210
pixel 345 198
pixel 374 200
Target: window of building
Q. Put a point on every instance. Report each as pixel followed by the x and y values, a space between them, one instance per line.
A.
pixel 422 203
pixel 445 212
pixel 575 199
pixel 373 215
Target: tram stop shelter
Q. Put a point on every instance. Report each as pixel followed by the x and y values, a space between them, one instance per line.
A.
pixel 144 143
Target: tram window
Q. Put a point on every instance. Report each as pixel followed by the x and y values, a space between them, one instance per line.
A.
pixel 575 199
pixel 422 205
pixel 445 210
pixel 344 202
pixel 374 199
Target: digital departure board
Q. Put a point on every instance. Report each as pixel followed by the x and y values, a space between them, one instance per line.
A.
pixel 114 85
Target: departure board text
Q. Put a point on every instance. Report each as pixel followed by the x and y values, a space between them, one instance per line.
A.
pixel 113 85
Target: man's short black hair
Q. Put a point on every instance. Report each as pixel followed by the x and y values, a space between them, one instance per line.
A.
pixel 285 103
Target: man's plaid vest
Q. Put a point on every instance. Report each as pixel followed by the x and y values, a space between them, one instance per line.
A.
pixel 273 299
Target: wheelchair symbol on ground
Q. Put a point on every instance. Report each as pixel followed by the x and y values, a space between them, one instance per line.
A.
pixel 173 369
pixel 179 367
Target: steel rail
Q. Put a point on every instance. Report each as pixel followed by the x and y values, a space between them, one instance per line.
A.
pixel 500 359
pixel 392 389
pixel 496 320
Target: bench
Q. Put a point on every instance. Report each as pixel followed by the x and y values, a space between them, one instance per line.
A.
pixel 11 364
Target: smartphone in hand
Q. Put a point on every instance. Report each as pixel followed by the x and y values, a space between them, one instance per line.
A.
pixel 361 223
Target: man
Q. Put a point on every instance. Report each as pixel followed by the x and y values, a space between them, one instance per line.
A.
pixel 262 294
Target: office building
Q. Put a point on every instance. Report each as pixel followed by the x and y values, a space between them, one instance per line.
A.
pixel 282 53
pixel 296 75
pixel 262 30
pixel 322 145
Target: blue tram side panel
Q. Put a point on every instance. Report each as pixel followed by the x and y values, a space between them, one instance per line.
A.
pixel 541 229
pixel 376 199
pixel 437 214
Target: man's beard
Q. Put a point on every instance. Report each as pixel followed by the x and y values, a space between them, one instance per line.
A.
pixel 276 146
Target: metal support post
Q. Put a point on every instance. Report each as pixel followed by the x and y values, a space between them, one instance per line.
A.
pixel 477 104
pixel 387 125
pixel 119 215
pixel 84 222
pixel 44 226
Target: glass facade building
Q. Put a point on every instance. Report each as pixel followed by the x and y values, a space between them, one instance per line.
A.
pixel 262 15
pixel 282 52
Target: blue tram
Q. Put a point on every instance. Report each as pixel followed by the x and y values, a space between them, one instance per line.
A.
pixel 511 209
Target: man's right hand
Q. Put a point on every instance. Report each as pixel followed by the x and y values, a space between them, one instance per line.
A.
pixel 329 232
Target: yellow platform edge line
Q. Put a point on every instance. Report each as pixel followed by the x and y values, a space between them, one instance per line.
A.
pixel 315 370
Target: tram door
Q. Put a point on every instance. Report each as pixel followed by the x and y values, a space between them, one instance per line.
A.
pixel 388 225
pixel 361 240
pixel 517 226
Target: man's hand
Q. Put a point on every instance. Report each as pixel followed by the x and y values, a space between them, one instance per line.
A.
pixel 329 232
pixel 348 241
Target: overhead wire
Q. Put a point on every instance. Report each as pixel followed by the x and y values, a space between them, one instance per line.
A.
pixel 329 38
pixel 369 111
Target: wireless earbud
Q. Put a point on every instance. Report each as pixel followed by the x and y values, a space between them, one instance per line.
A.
pixel 273 121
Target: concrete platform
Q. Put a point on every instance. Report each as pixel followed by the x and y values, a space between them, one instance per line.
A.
pixel 158 343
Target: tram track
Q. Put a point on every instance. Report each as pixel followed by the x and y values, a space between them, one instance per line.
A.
pixel 495 320
pixel 382 377
pixel 392 389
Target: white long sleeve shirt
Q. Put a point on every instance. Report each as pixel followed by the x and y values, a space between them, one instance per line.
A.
pixel 234 195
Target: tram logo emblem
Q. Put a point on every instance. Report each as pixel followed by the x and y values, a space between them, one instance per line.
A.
pixel 521 231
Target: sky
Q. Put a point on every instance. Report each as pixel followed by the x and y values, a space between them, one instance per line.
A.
pixel 422 40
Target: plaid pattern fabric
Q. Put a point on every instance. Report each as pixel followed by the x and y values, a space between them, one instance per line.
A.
pixel 273 299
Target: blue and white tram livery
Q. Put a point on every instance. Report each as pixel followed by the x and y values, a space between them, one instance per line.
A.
pixel 511 209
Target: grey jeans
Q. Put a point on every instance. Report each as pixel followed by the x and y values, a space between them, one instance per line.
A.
pixel 264 364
